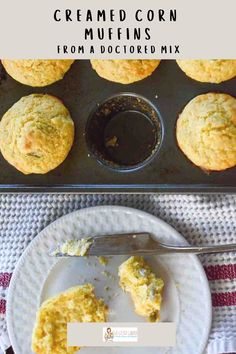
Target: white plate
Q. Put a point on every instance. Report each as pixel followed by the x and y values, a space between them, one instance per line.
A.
pixel 37 276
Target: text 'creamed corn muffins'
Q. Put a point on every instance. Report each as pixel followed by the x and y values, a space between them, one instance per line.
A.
pixel 206 131
pixel 124 71
pixel 36 134
pixel 144 287
pixel 77 304
pixel 37 73
pixel 213 71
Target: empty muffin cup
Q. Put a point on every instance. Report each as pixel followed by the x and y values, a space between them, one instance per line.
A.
pixel 124 132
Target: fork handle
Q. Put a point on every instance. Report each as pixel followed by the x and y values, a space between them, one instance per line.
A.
pixel 197 250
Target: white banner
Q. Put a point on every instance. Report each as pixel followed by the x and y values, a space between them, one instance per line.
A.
pixel 116 334
pixel 165 29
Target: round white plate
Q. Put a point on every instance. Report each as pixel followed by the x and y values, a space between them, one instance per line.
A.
pixel 37 276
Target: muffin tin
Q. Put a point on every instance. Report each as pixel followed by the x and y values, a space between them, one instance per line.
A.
pixel 168 89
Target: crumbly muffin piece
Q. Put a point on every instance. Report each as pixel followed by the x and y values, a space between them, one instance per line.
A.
pixel 37 73
pixel 36 134
pixel 78 247
pixel 77 304
pixel 144 287
pixel 213 71
pixel 124 71
pixel 206 131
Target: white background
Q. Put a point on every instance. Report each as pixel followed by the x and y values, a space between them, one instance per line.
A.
pixel 204 29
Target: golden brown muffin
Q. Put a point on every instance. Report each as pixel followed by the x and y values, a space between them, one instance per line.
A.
pixel 36 134
pixel 37 72
pixel 124 71
pixel 214 71
pixel 144 287
pixel 77 304
pixel 206 131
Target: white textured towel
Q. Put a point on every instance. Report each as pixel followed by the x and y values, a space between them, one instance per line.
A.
pixel 202 219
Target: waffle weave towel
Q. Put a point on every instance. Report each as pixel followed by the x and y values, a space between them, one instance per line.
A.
pixel 202 219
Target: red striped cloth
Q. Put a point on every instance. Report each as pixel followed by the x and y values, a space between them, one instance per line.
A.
pixel 222 272
pixel 5 280
pixel 213 272
pixel 224 299
pixel 2 306
pixel 4 283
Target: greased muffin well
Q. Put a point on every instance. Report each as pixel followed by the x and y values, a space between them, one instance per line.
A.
pixel 213 71
pixel 37 73
pixel 124 71
pixel 206 131
pixel 36 134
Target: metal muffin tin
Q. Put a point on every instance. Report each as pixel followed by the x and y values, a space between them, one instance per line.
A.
pixel 168 89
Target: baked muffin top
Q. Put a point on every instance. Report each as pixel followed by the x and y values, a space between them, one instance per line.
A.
pixel 206 131
pixel 36 133
pixel 37 72
pixel 124 71
pixel 213 71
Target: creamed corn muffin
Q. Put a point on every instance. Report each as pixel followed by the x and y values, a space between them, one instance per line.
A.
pixel 206 131
pixel 77 304
pixel 36 134
pixel 37 72
pixel 214 71
pixel 144 287
pixel 124 71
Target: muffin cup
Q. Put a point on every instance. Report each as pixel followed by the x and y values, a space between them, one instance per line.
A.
pixel 124 132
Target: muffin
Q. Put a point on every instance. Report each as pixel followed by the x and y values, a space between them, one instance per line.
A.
pixel 36 134
pixel 144 287
pixel 213 71
pixel 124 71
pixel 206 131
pixel 37 72
pixel 77 304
